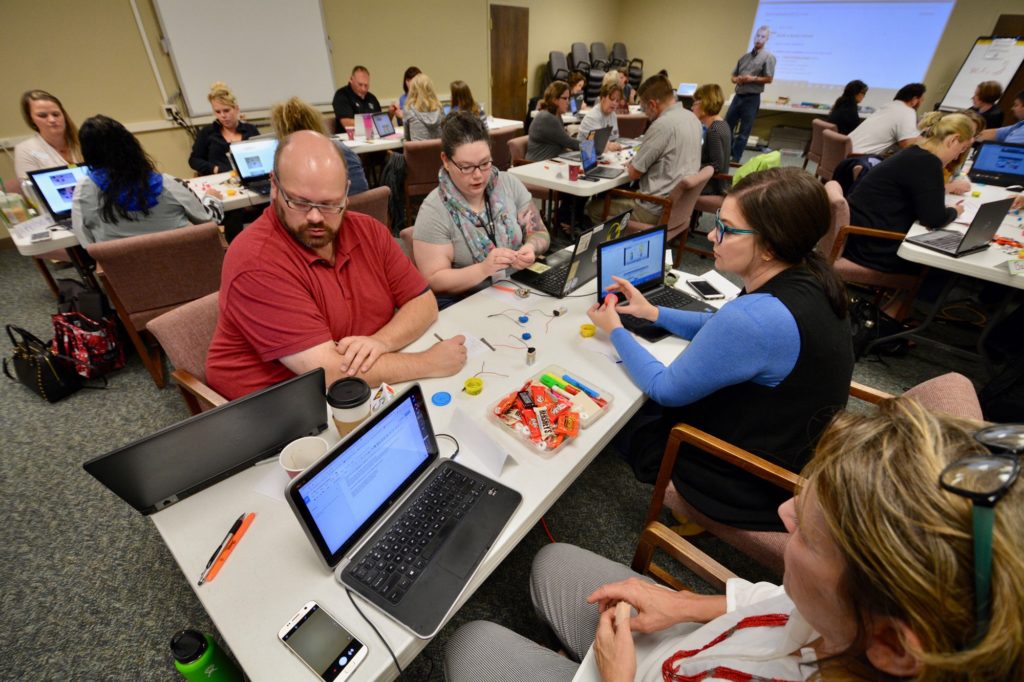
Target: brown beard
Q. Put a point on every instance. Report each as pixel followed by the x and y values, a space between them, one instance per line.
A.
pixel 300 233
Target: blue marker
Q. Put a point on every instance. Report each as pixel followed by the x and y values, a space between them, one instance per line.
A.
pixel 586 389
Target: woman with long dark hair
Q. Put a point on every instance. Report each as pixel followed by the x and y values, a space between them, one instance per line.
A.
pixel 123 196
pixel 845 113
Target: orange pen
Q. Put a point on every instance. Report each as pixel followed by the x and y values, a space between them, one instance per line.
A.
pixel 228 548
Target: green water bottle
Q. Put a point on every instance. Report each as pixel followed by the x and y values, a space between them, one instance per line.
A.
pixel 198 658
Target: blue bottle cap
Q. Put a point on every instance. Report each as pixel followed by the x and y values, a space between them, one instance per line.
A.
pixel 441 398
pixel 524 319
pixel 527 336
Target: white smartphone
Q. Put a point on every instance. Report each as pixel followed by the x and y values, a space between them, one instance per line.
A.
pixel 705 290
pixel 322 643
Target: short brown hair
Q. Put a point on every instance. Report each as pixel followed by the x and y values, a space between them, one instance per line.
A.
pixel 574 78
pixel 710 97
pixel 989 92
pixel 609 89
pixel 657 88
pixel 549 102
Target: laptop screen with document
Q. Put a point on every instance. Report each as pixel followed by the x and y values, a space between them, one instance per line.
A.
pixel 254 158
pixel 56 186
pixel 998 163
pixel 639 259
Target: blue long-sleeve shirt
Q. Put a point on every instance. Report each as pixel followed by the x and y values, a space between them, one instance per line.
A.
pixel 752 338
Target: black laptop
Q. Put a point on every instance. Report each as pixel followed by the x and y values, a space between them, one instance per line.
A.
pixel 998 163
pixel 591 169
pixel 600 138
pixel 565 271
pixel 254 161
pixel 977 237
pixel 640 259
pixel 410 554
pixel 55 187
pixel 383 125
pixel 159 470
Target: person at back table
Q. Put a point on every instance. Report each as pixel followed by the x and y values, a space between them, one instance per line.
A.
pixel 845 112
pixel 577 83
pixel 479 221
pixel 603 116
pixel 892 126
pixel 907 187
pixel 210 150
pixel 707 107
pixel 463 100
pixel 1014 134
pixel 754 70
pixel 984 102
pixel 670 152
pixel 548 137
pixel 395 108
pixel 123 196
pixel 294 115
pixel 56 140
pixel 423 112
pixel 310 285
pixel 354 98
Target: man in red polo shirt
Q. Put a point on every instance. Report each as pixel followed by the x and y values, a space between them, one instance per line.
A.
pixel 311 285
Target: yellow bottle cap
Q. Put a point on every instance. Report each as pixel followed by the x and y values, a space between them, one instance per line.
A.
pixel 474 385
pixel 587 330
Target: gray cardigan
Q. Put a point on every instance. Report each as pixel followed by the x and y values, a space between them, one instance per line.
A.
pixel 422 125
pixel 548 138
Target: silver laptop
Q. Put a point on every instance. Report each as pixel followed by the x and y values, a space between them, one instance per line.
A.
pixel 600 138
pixel 55 187
pixel 591 169
pixel 399 526
pixel 977 237
pixel 254 161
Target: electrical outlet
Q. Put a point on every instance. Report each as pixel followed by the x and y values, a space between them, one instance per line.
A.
pixel 170 112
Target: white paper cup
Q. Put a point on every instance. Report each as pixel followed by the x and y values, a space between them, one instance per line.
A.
pixel 301 453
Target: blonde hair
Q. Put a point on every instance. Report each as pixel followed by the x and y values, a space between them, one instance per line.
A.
pixel 936 126
pixel 907 544
pixel 422 96
pixel 610 77
pixel 220 92
pixel 295 114
pixel 710 97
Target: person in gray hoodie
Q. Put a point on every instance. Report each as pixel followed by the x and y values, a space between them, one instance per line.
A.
pixel 423 112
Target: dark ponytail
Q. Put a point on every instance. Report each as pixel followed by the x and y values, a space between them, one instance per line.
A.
pixel 790 211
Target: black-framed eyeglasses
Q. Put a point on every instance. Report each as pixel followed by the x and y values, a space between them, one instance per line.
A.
pixel 984 480
pixel 483 167
pixel 307 206
pixel 723 228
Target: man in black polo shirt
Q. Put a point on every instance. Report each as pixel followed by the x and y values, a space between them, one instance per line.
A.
pixel 753 71
pixel 354 98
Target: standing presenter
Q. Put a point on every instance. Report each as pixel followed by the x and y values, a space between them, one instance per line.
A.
pixel 753 71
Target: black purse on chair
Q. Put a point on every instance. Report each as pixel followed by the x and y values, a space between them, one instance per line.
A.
pixel 38 368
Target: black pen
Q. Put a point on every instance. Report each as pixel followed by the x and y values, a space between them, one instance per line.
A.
pixel 438 336
pixel 227 538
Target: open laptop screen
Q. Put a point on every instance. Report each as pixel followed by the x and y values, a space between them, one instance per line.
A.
pixel 346 492
pixel 639 259
pixel 382 122
pixel 588 154
pixel 1000 162
pixel 56 186
pixel 254 158
pixel 686 89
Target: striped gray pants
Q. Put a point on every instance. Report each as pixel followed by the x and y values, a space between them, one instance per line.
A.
pixel 561 579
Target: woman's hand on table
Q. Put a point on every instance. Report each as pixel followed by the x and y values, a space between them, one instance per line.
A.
pixel 499 259
pixel 959 186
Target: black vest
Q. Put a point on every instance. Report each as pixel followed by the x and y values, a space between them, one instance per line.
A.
pixel 781 424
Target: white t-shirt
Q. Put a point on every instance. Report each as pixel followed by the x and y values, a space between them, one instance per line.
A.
pixel 891 124
pixel 772 652
pixel 35 153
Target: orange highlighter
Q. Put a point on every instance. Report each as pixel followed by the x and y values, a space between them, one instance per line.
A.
pixel 228 548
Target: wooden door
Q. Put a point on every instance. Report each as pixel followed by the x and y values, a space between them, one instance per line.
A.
pixel 510 38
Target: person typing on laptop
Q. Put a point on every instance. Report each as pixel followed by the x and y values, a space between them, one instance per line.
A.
pixel 312 285
pixel 479 221
pixel 122 195
pixel 548 137
pixel 765 373
pixel 210 150
pixel 670 152
pixel 603 116
pixel 354 98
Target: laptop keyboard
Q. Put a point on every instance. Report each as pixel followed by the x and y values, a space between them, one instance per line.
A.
pixel 948 240
pixel 552 279
pixel 670 297
pixel 397 559
pixel 261 187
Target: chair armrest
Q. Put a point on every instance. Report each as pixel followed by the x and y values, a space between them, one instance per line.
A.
pixel 197 388
pixel 846 230
pixel 871 395
pixel 521 162
pixel 664 201
pixel 747 461
pixel 659 536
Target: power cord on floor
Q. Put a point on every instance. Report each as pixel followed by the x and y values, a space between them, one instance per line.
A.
pixel 379 636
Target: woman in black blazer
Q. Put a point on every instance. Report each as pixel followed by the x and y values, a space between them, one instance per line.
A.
pixel 210 151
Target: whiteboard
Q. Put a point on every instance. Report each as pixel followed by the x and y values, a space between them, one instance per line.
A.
pixel 265 50
pixel 991 59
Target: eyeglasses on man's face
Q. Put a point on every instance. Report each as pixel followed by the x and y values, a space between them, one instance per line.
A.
pixel 307 206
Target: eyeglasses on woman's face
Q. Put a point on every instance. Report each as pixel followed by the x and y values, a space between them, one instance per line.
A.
pixel 721 228
pixel 469 168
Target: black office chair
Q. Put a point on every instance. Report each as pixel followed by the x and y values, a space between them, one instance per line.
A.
pixel 579 58
pixel 620 56
pixel 531 106
pixel 558 67
pixel 599 56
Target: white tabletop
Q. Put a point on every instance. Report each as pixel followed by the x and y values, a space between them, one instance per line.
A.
pixel 989 265
pixel 554 174
pixel 233 195
pixel 59 239
pixel 498 123
pixel 275 570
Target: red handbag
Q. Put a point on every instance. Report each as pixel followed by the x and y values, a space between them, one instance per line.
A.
pixel 92 348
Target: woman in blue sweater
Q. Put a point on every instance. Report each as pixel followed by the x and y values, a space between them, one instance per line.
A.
pixel 767 371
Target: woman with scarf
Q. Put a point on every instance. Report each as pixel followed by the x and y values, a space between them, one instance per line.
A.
pixel 123 196
pixel 479 221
